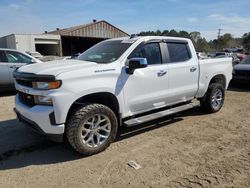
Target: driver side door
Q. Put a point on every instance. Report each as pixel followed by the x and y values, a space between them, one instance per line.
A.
pixel 147 88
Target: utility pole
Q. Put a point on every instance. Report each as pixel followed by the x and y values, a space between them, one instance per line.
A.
pixel 219 33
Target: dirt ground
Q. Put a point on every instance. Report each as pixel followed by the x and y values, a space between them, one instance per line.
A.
pixel 193 149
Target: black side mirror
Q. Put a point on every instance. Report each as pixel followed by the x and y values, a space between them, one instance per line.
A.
pixel 135 63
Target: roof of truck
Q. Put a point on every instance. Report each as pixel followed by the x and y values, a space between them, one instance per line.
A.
pixel 145 38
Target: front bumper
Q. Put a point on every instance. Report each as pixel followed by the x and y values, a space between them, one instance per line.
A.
pixel 39 118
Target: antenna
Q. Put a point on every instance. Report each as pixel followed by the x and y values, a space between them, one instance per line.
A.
pixel 219 32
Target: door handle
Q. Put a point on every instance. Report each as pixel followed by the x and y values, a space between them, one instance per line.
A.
pixel 193 69
pixel 161 73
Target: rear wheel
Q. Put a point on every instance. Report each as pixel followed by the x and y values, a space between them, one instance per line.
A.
pixel 214 98
pixel 91 129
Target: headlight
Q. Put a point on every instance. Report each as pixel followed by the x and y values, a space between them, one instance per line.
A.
pixel 43 100
pixel 47 85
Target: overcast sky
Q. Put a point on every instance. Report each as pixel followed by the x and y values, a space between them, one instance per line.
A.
pixel 132 16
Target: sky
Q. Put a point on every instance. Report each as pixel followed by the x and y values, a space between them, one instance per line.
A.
pixel 132 16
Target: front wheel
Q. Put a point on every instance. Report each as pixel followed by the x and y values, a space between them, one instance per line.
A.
pixel 91 129
pixel 214 98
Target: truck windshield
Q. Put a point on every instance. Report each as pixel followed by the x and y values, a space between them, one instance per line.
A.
pixel 105 52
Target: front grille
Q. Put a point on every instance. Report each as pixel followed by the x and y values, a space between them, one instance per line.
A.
pixel 242 73
pixel 26 99
pixel 25 83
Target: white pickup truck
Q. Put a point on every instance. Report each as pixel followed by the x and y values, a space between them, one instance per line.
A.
pixel 123 81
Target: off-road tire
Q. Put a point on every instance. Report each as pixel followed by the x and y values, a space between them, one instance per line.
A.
pixel 206 101
pixel 77 119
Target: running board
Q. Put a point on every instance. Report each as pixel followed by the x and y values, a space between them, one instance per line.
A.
pixel 146 118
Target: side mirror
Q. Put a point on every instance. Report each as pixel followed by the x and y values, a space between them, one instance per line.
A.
pixel 135 63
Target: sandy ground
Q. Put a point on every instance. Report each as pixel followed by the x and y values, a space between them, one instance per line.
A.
pixel 192 150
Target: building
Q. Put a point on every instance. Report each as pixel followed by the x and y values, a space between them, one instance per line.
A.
pixel 63 42
pixel 80 38
pixel 45 44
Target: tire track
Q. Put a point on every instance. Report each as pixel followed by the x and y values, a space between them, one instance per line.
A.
pixel 26 149
pixel 221 171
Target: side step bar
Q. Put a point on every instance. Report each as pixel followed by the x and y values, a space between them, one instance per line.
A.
pixel 142 119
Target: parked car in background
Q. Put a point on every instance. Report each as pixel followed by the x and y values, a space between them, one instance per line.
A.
pixel 35 54
pixel 50 58
pixel 10 60
pixel 241 72
pixel 241 56
pixel 233 49
pixel 235 59
pixel 225 54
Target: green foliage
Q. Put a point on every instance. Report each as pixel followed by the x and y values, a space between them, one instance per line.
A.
pixel 200 43
pixel 246 41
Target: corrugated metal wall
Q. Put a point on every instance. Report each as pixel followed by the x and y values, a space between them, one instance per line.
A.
pixel 98 30
pixel 25 43
pixel 3 42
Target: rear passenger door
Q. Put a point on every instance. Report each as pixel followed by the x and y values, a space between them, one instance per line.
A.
pixel 16 60
pixel 4 70
pixel 183 72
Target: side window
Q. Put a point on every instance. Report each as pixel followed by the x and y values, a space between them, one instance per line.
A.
pixel 15 57
pixel 178 52
pixel 150 51
pixel 2 57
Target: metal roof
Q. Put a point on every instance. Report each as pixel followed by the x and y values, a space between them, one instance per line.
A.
pixel 100 29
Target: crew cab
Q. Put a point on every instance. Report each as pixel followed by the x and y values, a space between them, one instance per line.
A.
pixel 117 82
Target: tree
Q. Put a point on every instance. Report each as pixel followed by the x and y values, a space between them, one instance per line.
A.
pixel 173 33
pixel 195 36
pixel 246 41
pixel 224 41
pixel 158 33
pixel 165 33
pixel 201 44
pixel 184 34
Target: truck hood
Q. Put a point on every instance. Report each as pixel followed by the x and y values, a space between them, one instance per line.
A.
pixel 57 67
pixel 242 67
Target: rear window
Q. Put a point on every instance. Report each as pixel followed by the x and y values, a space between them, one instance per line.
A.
pixel 178 52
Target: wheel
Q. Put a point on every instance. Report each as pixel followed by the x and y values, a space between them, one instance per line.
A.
pixel 214 98
pixel 91 129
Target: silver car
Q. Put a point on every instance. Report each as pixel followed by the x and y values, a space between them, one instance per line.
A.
pixel 10 60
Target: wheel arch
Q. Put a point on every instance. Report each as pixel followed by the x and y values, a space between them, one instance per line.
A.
pixel 219 78
pixel 106 98
pixel 205 83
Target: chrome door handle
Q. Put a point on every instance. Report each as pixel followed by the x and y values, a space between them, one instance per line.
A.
pixel 193 69
pixel 161 73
